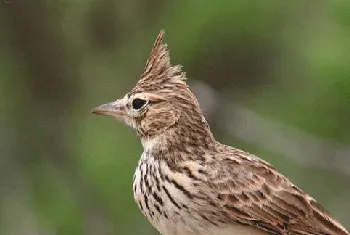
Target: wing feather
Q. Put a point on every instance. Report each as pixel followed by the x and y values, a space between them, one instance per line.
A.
pixel 252 192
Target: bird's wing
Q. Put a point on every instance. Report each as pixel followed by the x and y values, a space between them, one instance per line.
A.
pixel 252 192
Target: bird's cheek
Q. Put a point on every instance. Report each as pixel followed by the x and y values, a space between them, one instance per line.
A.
pixel 128 121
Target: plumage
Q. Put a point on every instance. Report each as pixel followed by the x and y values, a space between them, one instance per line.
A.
pixel 187 183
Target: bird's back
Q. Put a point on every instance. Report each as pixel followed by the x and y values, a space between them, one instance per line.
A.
pixel 252 192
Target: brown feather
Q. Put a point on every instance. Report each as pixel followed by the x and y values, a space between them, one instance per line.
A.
pixel 280 206
pixel 188 183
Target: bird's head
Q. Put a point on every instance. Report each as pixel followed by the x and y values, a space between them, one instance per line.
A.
pixel 161 103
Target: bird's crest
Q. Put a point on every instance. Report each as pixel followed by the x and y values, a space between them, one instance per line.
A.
pixel 158 69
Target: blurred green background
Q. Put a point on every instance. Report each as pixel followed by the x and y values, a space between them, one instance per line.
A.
pixel 273 78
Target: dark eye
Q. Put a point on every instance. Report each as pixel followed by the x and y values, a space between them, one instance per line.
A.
pixel 138 103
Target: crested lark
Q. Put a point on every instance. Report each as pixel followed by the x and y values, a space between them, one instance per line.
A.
pixel 187 183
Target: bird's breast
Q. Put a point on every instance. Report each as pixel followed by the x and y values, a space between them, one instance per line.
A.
pixel 174 203
pixel 165 197
pixel 158 193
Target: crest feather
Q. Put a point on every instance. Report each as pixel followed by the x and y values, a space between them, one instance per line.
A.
pixel 158 68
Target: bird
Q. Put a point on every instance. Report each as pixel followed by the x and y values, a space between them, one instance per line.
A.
pixel 188 183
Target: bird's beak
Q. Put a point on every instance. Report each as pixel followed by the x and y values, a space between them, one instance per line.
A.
pixel 114 109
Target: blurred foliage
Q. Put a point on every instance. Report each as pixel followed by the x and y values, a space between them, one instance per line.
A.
pixel 64 171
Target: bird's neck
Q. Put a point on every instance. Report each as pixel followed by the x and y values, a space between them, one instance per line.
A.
pixel 179 141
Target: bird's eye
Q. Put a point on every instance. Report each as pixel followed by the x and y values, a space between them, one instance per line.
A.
pixel 138 103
